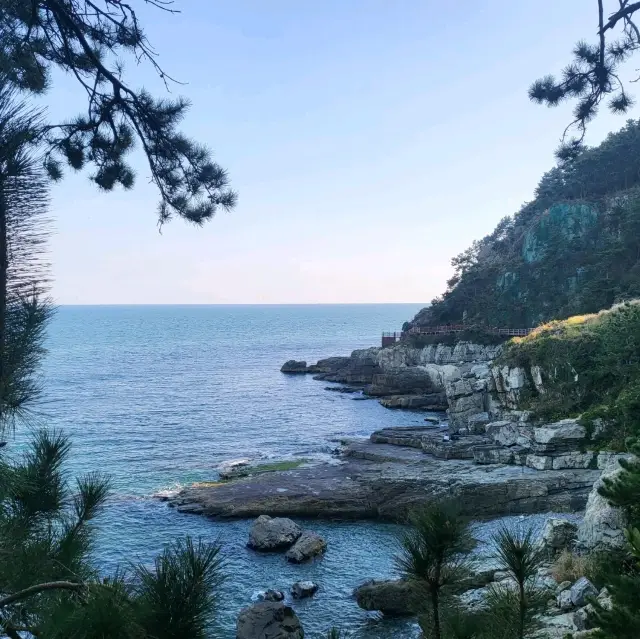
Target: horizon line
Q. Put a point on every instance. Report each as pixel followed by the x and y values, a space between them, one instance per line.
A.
pixel 243 304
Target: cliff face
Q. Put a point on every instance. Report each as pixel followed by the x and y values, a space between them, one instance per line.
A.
pixel 574 249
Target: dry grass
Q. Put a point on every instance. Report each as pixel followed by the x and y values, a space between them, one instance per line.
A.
pixel 569 567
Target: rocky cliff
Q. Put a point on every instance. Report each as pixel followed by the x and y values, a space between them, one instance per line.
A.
pixel 573 249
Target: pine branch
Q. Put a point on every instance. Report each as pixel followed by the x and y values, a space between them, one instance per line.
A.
pixel 34 590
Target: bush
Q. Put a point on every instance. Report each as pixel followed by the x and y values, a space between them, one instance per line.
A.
pixel 570 567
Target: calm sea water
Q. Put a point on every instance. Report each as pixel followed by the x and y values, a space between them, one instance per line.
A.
pixel 159 396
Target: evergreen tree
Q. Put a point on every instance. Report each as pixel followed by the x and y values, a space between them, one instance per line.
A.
pixel 593 75
pixel 434 557
pixel 48 585
pixel 512 612
pixel 88 39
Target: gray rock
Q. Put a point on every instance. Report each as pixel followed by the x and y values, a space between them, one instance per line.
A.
pixel 539 462
pixel 308 546
pixel 268 534
pixel 566 430
pixel 558 534
pixel 304 589
pixel 269 620
pixel 294 367
pixel 603 525
pixel 581 591
pixel 378 481
pixel 581 617
pixel 564 602
pixel 565 585
pixel 476 423
pixel 272 595
pixel 508 433
pixel 394 597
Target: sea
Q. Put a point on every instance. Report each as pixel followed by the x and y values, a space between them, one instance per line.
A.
pixel 158 397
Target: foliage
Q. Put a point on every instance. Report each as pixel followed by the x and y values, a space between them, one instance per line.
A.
pixel 622 619
pixel 574 249
pixel 568 566
pixel 593 74
pixel 589 366
pixel 519 555
pixel 24 308
pixel 624 490
pixel 47 536
pixel 434 555
pixel 89 40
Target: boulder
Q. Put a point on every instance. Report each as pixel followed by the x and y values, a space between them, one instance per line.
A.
pixel 393 597
pixel 565 434
pixel 602 526
pixel 309 545
pixel 272 595
pixel 304 589
pixel 269 620
pixel 581 617
pixel 477 423
pixel 558 534
pixel 581 591
pixel 563 601
pixel 294 367
pixel 508 433
pixel 269 534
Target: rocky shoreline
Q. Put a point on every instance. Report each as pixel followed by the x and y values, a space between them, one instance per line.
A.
pixel 491 457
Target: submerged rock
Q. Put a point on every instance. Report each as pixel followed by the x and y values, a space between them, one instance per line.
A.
pixel 304 589
pixel 308 546
pixel 273 595
pixel 269 620
pixel 269 534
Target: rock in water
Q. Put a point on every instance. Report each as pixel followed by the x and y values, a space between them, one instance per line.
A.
pixel 304 589
pixel 269 620
pixel 268 534
pixel 391 597
pixel 295 367
pixel 558 534
pixel 273 595
pixel 581 591
pixel 309 545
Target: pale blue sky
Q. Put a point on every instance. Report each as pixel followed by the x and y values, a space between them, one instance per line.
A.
pixel 369 141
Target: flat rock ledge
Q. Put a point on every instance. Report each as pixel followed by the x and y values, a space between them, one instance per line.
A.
pixel 382 481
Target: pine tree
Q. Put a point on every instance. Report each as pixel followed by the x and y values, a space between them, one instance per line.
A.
pixel 88 39
pixel 435 557
pixel 593 75
pixel 511 612
pixel 48 585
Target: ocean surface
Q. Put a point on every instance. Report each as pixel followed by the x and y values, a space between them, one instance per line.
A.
pixel 159 396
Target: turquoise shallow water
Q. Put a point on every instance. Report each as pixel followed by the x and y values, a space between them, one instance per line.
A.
pixel 159 396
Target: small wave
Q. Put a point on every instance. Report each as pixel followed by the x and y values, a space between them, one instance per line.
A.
pixel 167 493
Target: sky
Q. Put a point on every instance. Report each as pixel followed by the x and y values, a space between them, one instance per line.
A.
pixel 369 142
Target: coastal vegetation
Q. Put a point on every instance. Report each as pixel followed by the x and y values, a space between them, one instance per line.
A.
pixel 574 249
pixel 588 365
pixel 49 584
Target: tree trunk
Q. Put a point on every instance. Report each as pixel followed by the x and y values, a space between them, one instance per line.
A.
pixel 435 604
pixel 523 610
pixel 4 266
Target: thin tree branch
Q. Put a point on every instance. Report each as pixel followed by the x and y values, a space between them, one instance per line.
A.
pixel 34 590
pixel 618 15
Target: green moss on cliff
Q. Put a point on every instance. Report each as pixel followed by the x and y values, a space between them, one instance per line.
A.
pixel 588 364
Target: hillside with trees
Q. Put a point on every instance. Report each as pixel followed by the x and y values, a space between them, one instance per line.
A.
pixel 574 249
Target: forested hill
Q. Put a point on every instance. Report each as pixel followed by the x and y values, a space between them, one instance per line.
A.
pixel 574 249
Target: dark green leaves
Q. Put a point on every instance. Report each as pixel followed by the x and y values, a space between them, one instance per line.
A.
pixel 87 39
